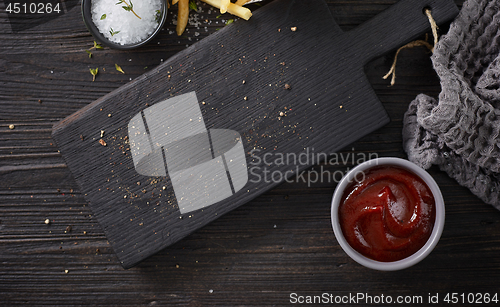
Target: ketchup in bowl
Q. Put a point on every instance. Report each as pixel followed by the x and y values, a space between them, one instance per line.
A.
pixel 388 215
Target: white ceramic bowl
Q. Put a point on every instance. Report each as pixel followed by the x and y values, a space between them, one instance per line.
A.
pixel 436 231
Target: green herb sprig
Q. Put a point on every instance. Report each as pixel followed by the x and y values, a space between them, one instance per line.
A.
pixel 94 72
pixel 158 16
pixel 96 46
pixel 193 6
pixel 128 7
pixel 118 68
pixel 113 32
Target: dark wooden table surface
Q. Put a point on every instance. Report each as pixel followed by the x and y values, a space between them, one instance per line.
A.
pixel 278 244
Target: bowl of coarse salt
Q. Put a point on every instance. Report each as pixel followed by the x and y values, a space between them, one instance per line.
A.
pixel 123 24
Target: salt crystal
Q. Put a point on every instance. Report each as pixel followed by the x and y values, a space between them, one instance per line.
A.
pixel 127 28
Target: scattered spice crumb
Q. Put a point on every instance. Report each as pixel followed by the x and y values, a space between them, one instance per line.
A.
pixel 102 133
pixel 177 266
pixel 102 142
pixel 341 107
pixel 109 115
pixel 68 229
pixel 39 100
pixel 293 29
pixel 243 82
pixel 84 232
pixel 282 114
pixel 47 221
pixel 245 98
pixel 66 271
pixel 11 126
pixel 82 137
pixel 210 291
pixel 203 102
pixel 287 86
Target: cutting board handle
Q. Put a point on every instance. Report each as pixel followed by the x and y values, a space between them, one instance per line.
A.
pixel 400 23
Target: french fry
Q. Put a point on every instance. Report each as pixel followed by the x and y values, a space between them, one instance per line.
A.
pixel 223 6
pixel 241 2
pixel 174 1
pixel 182 16
pixel 234 9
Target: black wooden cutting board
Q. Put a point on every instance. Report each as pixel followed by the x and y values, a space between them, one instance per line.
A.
pixel 189 141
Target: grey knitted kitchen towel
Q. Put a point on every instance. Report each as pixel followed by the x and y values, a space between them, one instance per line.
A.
pixel 460 132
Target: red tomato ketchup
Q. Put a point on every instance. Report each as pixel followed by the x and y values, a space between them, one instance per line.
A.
pixel 389 215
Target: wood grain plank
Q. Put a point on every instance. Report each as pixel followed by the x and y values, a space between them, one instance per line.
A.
pixel 241 257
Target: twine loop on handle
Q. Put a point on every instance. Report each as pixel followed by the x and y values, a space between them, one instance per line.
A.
pixel 413 44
